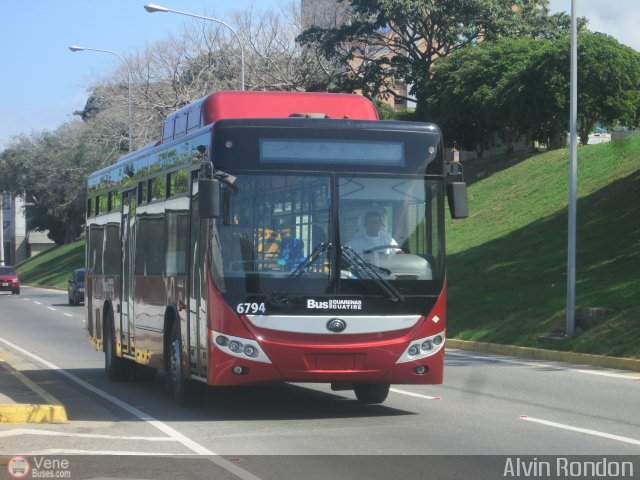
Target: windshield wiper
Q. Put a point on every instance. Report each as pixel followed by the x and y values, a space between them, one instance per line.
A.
pixel 372 272
pixel 280 295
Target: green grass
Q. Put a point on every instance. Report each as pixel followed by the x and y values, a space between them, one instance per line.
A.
pixel 508 260
pixel 507 268
pixel 53 267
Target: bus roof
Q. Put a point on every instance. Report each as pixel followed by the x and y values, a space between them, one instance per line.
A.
pixel 234 104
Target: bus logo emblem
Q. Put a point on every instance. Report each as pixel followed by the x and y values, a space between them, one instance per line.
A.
pixel 336 325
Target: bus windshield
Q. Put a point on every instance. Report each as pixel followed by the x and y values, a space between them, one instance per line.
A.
pixel 327 234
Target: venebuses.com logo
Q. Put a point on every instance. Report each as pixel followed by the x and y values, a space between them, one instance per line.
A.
pixel 18 467
pixel 38 467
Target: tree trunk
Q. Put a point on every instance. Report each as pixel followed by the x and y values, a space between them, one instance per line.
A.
pixel 584 137
pixel 556 139
pixel 70 232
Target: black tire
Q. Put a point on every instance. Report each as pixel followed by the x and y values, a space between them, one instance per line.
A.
pixel 16 292
pixel 71 301
pixel 370 393
pixel 179 386
pixel 117 369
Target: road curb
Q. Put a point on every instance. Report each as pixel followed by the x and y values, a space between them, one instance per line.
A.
pixel 15 387
pixel 543 354
pixel 32 413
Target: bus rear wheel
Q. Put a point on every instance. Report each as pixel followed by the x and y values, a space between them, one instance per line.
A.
pixel 371 393
pixel 116 368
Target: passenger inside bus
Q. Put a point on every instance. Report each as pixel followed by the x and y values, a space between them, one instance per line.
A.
pixel 372 235
pixel 291 248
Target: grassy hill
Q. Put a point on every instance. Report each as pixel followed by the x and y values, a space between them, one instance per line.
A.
pixel 53 268
pixel 508 260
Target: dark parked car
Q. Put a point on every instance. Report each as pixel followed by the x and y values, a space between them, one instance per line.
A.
pixel 76 287
pixel 9 280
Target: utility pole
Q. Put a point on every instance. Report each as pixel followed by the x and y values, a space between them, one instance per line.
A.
pixel 1 229
pixel 573 178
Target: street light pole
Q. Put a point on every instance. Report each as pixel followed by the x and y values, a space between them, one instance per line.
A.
pixel 573 176
pixel 76 48
pixel 151 8
pixel 1 229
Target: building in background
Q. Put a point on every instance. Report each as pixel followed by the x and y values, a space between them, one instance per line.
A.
pixel 324 13
pixel 19 244
pixel 332 14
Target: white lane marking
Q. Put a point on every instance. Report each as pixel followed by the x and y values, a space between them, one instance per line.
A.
pixel 411 394
pixel 52 433
pixel 37 302
pixel 54 309
pixel 68 315
pixel 163 427
pixel 581 430
pixel 547 365
pixel 64 451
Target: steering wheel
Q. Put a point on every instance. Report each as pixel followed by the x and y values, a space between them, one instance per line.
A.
pixel 387 247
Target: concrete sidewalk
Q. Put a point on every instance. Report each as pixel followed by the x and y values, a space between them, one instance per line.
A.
pixel 21 400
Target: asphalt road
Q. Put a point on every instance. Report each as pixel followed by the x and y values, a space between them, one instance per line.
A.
pixel 488 405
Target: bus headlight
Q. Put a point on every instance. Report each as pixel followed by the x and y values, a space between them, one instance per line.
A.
pixel 238 347
pixel 422 348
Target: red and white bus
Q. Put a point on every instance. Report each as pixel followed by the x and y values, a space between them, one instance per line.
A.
pixel 228 252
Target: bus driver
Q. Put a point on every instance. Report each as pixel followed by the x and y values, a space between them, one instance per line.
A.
pixel 373 235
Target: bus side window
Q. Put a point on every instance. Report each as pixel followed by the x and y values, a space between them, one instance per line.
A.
pixel 142 192
pixel 178 183
pixel 104 203
pixel 158 187
pixel 115 201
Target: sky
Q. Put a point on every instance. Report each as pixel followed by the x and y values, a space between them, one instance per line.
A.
pixel 42 82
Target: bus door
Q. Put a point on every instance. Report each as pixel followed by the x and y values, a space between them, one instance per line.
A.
pixel 129 199
pixel 197 320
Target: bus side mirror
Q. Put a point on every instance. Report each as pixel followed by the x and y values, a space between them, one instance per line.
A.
pixel 208 198
pixel 457 198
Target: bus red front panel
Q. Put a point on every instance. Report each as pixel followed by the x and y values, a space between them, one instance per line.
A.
pixel 285 355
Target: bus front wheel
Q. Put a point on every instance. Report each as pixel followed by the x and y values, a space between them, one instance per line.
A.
pixel 178 385
pixel 371 392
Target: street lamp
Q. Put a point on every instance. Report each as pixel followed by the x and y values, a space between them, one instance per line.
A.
pixel 573 177
pixel 151 8
pixel 76 48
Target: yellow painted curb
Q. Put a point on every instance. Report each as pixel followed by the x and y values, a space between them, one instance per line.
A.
pixel 54 411
pixel 543 354
pixel 31 413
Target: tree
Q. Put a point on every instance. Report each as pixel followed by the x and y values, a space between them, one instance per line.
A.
pixel 608 83
pixel 386 40
pixel 520 87
pixel 51 168
pixel 479 91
